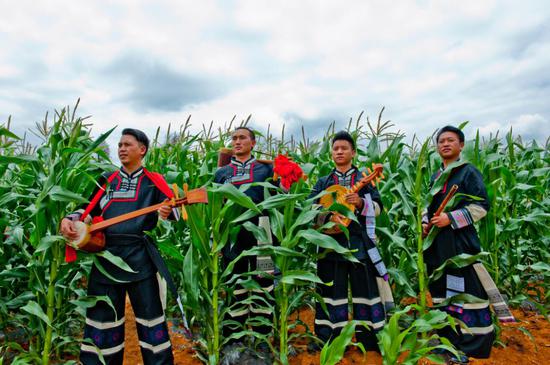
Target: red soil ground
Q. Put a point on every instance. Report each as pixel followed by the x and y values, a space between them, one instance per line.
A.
pixel 520 349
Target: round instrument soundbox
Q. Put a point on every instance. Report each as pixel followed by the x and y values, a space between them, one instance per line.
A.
pixel 86 241
pixel 338 192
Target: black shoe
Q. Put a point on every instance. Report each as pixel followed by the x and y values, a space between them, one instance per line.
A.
pixel 263 352
pixel 313 347
pixel 458 360
pixel 450 358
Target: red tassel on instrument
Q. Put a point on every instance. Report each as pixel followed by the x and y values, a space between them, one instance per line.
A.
pixel 70 254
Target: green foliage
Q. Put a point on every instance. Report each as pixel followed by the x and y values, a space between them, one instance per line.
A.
pixel 36 192
pixel 404 339
pixel 333 351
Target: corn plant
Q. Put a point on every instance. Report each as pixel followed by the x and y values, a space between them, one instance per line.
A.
pixel 402 339
pixel 210 228
pixel 295 255
pixel 333 351
pixel 41 191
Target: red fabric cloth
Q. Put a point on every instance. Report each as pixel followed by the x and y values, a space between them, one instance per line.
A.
pixel 289 171
pixel 70 254
pixel 98 196
pixel 159 182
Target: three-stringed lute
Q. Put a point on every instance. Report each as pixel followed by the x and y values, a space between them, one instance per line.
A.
pixel 91 238
pixel 338 195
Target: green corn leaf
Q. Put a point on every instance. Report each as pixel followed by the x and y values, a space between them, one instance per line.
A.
pixel 115 260
pixel 102 270
pixel 236 195
pixel 325 241
pixel 333 351
pixel 300 277
pixel 456 262
pixel 58 193
pixel 47 241
pixel 90 301
pixel 35 309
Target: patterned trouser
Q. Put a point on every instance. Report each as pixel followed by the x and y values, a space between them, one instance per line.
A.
pixel 106 330
pixel 478 340
pixel 367 305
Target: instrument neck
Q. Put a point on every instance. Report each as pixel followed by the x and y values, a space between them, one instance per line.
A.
pixel 358 186
pixel 124 217
pixel 445 201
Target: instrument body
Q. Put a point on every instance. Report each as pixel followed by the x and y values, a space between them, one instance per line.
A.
pixel 91 238
pixel 337 193
pixel 87 241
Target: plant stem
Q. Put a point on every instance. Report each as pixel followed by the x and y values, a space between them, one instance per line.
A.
pixel 50 300
pixel 215 312
pixel 283 323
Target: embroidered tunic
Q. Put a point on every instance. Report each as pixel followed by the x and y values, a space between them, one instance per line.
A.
pixel 461 236
pixel 127 193
pixel 240 173
pixel 358 238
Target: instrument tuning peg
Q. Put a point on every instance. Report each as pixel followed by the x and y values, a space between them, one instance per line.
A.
pixel 183 211
pixel 176 193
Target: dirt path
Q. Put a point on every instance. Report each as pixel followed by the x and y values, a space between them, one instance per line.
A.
pixel 520 349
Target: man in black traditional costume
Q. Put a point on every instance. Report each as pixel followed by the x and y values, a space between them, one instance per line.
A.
pixel 458 235
pixel 335 268
pixel 245 169
pixel 130 188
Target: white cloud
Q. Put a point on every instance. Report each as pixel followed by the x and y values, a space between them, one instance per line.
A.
pixel 529 126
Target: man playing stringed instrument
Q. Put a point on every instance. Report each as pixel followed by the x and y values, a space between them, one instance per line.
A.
pixel 128 189
pixel 457 236
pixel 367 304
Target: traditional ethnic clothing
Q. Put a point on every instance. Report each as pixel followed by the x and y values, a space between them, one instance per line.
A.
pixel 239 173
pixel 126 193
pixel 367 304
pixel 455 239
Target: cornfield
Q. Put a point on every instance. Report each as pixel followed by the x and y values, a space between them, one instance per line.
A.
pixel 43 299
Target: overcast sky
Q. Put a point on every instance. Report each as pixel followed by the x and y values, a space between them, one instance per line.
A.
pixel 148 63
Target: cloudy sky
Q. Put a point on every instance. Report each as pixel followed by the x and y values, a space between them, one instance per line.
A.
pixel 149 63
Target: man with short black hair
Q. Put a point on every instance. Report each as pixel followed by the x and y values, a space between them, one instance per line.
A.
pixel 245 169
pixel 457 236
pixel 336 269
pixel 130 188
